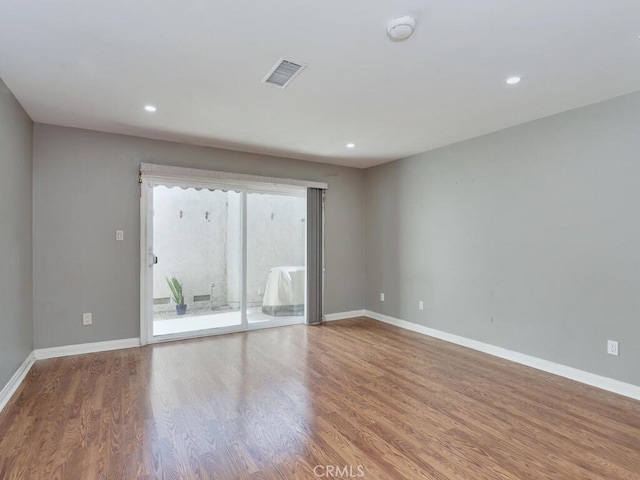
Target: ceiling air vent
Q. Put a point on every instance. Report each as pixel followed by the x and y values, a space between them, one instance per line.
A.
pixel 283 72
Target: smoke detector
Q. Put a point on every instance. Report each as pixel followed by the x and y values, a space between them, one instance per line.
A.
pixel 401 28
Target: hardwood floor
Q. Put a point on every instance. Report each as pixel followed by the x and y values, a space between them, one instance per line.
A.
pixel 350 399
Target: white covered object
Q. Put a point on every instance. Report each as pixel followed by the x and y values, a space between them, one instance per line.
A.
pixel 284 292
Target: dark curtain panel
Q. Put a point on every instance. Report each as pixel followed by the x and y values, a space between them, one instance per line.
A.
pixel 315 242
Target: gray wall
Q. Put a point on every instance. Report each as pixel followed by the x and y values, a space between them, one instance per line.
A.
pixel 16 326
pixel 85 188
pixel 528 238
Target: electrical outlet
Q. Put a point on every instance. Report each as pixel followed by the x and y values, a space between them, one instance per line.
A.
pixel 87 319
pixel 119 235
pixel 612 347
pixel 420 305
pixel 382 297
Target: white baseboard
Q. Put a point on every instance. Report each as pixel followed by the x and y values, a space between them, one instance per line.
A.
pixel 14 382
pixel 331 317
pixel 66 350
pixel 605 383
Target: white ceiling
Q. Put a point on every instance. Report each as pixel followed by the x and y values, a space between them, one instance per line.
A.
pixel 95 64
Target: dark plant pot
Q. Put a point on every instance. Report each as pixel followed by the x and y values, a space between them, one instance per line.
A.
pixel 181 309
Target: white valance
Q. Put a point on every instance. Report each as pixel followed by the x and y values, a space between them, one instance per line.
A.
pixel 210 179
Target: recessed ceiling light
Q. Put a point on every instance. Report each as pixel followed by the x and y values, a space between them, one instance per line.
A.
pixel 351 145
pixel 513 80
pixel 150 108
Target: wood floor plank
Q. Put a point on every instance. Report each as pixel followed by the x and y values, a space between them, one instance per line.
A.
pixel 349 399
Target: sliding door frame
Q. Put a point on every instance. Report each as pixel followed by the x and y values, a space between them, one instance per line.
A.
pixel 155 175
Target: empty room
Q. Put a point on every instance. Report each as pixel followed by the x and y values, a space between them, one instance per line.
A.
pixel 298 240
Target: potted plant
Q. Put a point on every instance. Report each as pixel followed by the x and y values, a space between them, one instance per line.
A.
pixel 177 295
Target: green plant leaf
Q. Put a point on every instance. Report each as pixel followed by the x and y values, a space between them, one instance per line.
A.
pixel 176 290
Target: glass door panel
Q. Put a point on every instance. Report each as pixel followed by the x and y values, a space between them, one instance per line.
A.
pixel 276 239
pixel 197 280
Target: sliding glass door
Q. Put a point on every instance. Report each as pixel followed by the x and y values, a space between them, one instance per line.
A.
pixel 197 274
pixel 276 273
pixel 220 258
